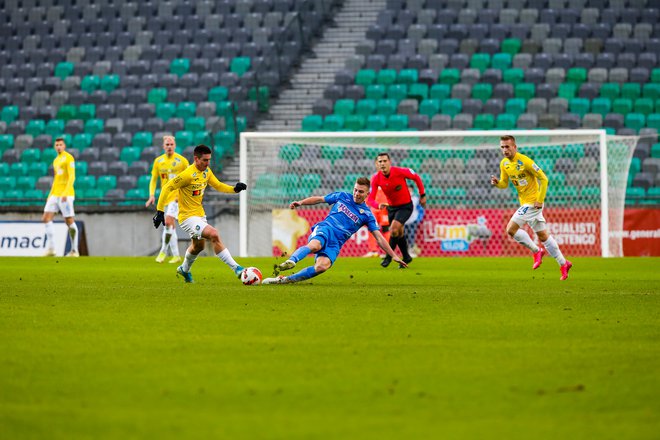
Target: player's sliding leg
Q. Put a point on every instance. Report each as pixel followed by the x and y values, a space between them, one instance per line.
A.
pixel 554 251
pixel 220 250
pixel 73 235
pixel 322 264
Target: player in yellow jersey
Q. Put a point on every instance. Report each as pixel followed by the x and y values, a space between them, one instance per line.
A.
pixel 61 198
pixel 531 183
pixel 191 184
pixel 167 166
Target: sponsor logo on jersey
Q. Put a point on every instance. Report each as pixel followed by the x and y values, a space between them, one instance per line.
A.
pixel 535 167
pixel 350 214
pixel 196 192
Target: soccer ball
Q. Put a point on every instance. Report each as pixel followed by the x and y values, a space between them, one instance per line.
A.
pixel 251 276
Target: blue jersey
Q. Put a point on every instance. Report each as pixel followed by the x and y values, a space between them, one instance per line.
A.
pixel 347 217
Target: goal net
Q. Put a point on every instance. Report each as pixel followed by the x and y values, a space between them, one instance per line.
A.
pixel 464 216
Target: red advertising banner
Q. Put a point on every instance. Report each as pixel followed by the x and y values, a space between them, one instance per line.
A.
pixel 482 232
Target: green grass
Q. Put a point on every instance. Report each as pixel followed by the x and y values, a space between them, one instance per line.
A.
pixel 451 348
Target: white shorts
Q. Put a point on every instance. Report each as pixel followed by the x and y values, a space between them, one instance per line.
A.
pixel 530 215
pixel 55 204
pixel 172 209
pixel 194 226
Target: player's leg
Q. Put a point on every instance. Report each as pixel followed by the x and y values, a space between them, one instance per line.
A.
pixel 66 208
pixel 221 251
pixel 553 249
pixel 170 226
pixel 394 239
pixel 325 257
pixel 193 226
pixel 315 242
pixel 47 218
pixel 513 229
pixel 401 216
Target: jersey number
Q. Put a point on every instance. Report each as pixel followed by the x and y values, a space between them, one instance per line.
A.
pixel 522 210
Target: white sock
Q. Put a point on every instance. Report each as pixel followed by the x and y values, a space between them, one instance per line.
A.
pixel 226 257
pixel 165 240
pixel 188 261
pixel 523 238
pixel 553 249
pixel 73 234
pixel 50 244
pixel 174 243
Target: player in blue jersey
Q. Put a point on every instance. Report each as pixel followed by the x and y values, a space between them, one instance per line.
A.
pixel 347 216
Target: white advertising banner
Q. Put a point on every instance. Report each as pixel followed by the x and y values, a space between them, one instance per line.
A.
pixel 28 238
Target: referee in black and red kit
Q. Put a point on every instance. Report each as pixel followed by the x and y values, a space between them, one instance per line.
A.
pixel 399 205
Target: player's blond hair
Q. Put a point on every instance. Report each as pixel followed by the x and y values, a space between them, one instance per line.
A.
pixel 508 137
pixel 169 136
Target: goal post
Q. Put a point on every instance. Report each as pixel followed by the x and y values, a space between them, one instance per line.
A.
pixel 587 172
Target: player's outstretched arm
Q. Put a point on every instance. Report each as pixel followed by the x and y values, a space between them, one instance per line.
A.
pixel 314 200
pixel 384 245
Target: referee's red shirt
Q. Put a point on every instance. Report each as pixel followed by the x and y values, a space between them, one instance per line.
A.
pixel 394 186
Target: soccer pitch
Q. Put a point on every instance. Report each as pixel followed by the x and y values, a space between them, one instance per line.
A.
pixel 450 348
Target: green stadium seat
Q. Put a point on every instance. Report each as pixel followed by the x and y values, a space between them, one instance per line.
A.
pixel 484 121
pixel 574 151
pixel 7 182
pixel 9 114
pixel 376 122
pixel 180 66
pixel 37 169
pixel 653 121
pixel 63 69
pixel 290 152
pixel 482 91
pixel 651 90
pixel 653 194
pixel 450 76
pixel 110 83
pixel 567 90
pixel 397 122
pixel 635 194
pixel 201 137
pixel 310 182
pixel 67 112
pixel 590 192
pixel 407 76
pixel 18 169
pixel 429 107
pixel 261 95
pixel 225 109
pixel 312 123
pixel 90 83
pixel 85 182
pixel 55 128
pixel 81 141
pixel 440 91
pixel 506 121
pixel 578 106
pixel 511 46
pixel 622 105
pixel 635 165
pixel 513 75
pixel 135 196
pixel 48 155
pixel 480 61
pixel 218 94
pixel 349 182
pixel 332 153
pixel 643 106
pixel 195 124
pixel 92 196
pixel 142 139
pixel 515 106
pixel 240 65
pixel 655 150
pixel 185 110
pixel 344 107
pixel 184 138
pixel 94 126
pixel 31 155
pixel 365 77
pixel 576 75
pixel 375 91
pixel 165 110
pixel 81 168
pixel 35 127
pixel 418 91
pixel 601 106
pixel 451 107
pixel 333 123
pixel 105 183
pixel 6 141
pixel 610 90
pixel 225 139
pixel 4 169
pixel 386 76
pixel 386 107
pixel 501 61
pixel 655 75
pixel 547 165
pixel 157 95
pixel 26 182
pixel 355 122
pixel 13 197
pixel 525 91
pixel 34 196
pixel 631 91
pixel 411 162
pixel 86 111
pixel 143 182
pixel 365 107
pixel 397 92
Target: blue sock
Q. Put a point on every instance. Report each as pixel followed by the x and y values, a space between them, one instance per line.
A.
pixel 306 273
pixel 300 253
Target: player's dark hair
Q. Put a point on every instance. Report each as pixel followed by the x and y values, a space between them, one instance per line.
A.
pixel 508 137
pixel 60 139
pixel 384 153
pixel 201 150
pixel 363 181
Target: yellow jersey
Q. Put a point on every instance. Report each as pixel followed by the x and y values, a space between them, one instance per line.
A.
pixel 64 167
pixel 528 179
pixel 166 168
pixel 191 184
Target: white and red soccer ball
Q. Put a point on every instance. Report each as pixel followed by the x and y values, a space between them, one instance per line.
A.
pixel 251 276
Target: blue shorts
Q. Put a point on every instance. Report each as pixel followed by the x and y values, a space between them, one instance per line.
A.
pixel 330 245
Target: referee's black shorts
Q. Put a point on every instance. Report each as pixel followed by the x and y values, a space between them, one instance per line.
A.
pixel 400 213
